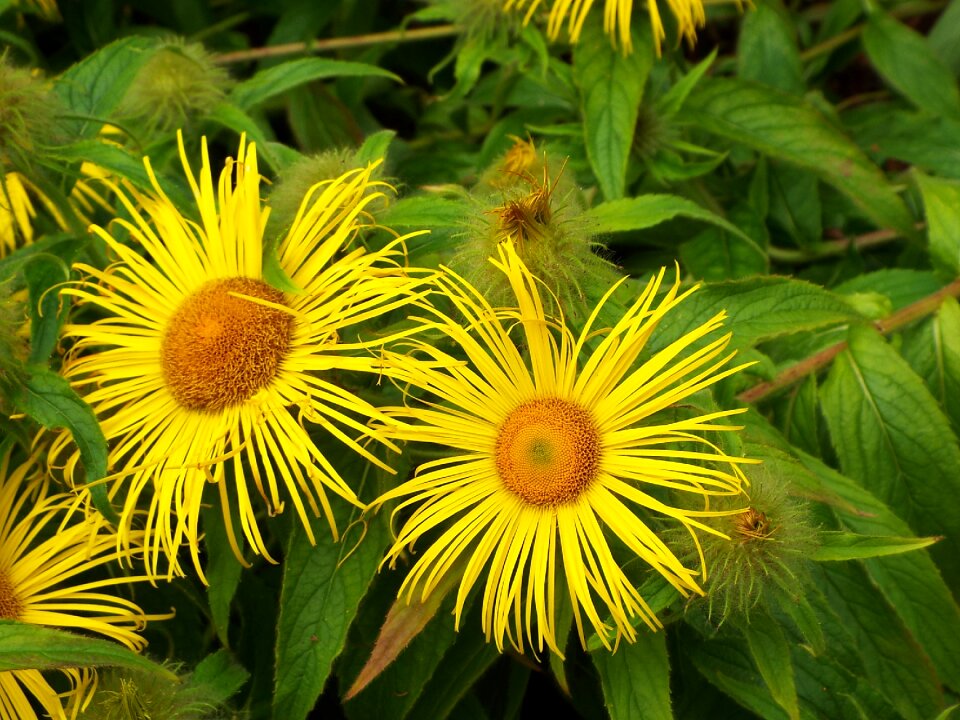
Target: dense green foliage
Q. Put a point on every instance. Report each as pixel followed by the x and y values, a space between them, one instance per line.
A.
pixel 802 162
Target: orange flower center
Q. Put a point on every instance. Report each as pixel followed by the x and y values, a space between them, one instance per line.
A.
pixel 221 346
pixel 548 451
pixel 10 606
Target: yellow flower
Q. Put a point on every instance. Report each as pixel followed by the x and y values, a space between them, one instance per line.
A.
pixel 47 554
pixel 203 375
pixel 554 447
pixel 16 212
pixel 616 18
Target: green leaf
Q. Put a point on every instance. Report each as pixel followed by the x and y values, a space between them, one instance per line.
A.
pixel 397 688
pixel 647 211
pixel 933 350
pixel 786 128
pixel 943 37
pixel 230 116
pixel 424 211
pixel 941 198
pixel 657 593
pixel 93 88
pixel 904 59
pixel 219 676
pixel 48 398
pixel 851 546
pixel 669 104
pixel 322 587
pixel 404 622
pixel 375 147
pixel 42 274
pixel 759 309
pixel 771 654
pixel 461 667
pixel 716 254
pixel 222 569
pixel 31 647
pixel 890 435
pixel 283 77
pixel 895 665
pixel 636 678
pixel 767 49
pixel 727 665
pixel 611 87
pixel 911 583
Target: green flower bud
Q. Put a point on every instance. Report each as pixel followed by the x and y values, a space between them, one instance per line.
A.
pixel 765 560
pixel 544 218
pixel 27 116
pixel 179 82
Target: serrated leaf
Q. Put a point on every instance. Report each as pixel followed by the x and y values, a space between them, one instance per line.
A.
pixel 24 646
pixel 636 678
pixel 786 128
pixel 611 87
pixel 771 654
pixel 759 309
pixel 906 62
pixel 647 211
pixel 322 587
pixel 93 88
pixel 941 199
pixel 851 546
pixel 219 677
pixel 42 274
pixel 657 593
pixel 283 77
pixel 890 435
pixel 48 398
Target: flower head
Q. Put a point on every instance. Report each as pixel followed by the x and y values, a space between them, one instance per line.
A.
pixel 203 375
pixel 557 451
pixel 616 18
pixel 49 557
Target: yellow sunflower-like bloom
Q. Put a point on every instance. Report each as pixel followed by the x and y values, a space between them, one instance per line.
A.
pixel 554 448
pixel 48 551
pixel 203 375
pixel 616 18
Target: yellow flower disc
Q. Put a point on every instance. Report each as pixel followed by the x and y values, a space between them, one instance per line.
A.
pixel 10 605
pixel 548 451
pixel 221 346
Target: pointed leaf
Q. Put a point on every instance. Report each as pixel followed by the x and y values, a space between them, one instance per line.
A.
pixel 941 199
pixel 636 678
pixel 771 654
pixel 851 546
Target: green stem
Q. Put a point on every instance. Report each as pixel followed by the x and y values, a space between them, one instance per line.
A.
pixel 327 44
pixel 816 362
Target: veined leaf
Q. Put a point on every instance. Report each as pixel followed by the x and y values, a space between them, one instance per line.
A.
pixel 767 49
pixel 771 654
pixel 786 128
pixel 891 436
pixel 42 274
pixel 611 87
pixel 933 350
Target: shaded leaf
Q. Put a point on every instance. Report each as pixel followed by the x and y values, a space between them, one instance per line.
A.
pixel 636 678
